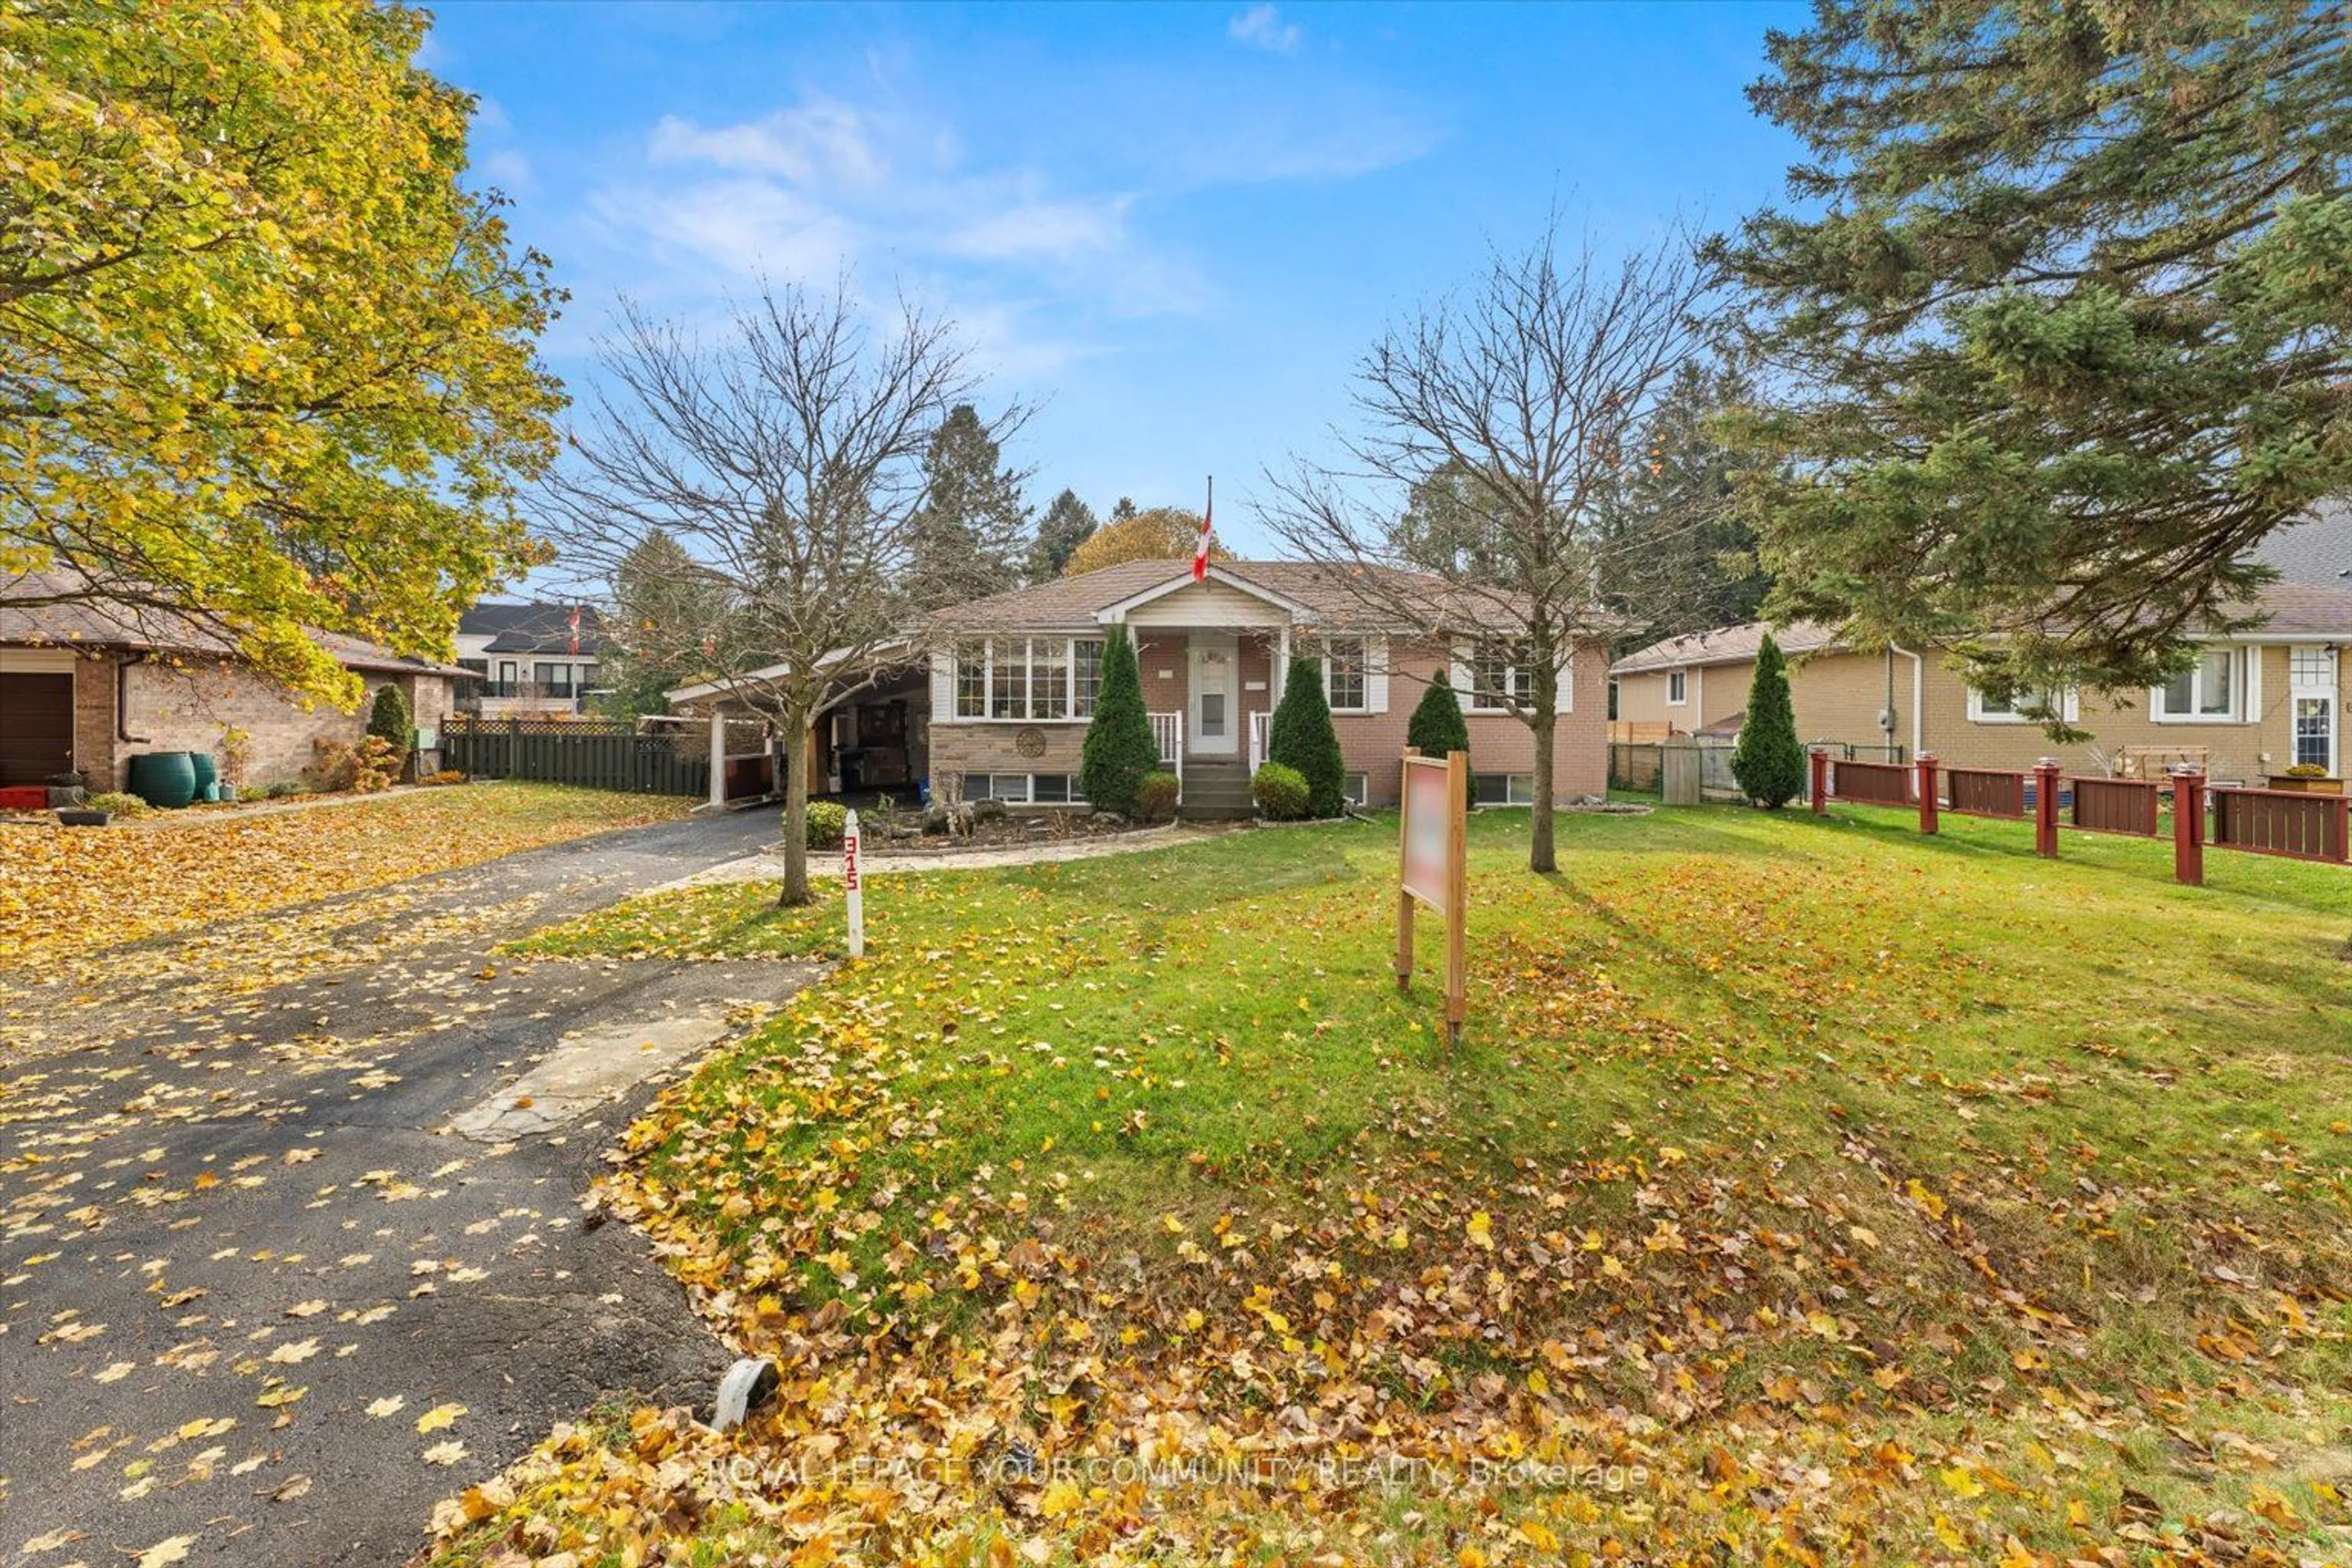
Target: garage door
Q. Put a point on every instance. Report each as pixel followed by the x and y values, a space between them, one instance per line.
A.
pixel 36 727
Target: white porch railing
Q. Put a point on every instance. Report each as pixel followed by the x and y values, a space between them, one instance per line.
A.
pixel 1260 724
pixel 1168 730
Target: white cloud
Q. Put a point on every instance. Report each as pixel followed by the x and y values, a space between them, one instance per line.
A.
pixel 746 227
pixel 507 169
pixel 1043 229
pixel 1262 27
pixel 819 143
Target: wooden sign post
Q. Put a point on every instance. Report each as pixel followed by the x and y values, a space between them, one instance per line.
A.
pixel 1434 859
pixel 853 887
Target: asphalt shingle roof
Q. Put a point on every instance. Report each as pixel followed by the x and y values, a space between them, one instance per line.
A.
pixel 1333 595
pixel 2291 609
pixel 104 623
pixel 2318 552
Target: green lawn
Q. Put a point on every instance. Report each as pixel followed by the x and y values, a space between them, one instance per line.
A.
pixel 1867 1195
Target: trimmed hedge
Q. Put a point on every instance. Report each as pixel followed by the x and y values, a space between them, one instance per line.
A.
pixel 828 820
pixel 1280 791
pixel 1155 797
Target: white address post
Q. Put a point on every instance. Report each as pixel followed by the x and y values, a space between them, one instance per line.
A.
pixel 853 887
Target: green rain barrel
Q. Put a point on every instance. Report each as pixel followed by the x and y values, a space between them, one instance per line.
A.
pixel 207 775
pixel 164 778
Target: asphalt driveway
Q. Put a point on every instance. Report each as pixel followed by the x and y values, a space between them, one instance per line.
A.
pixel 260 1302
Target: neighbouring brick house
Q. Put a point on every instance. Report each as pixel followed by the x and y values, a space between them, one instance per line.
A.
pixel 997 700
pixel 86 686
pixel 2253 704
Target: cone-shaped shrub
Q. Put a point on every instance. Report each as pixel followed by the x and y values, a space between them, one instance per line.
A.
pixel 1437 726
pixel 1767 761
pixel 1301 737
pixel 1119 750
pixel 390 719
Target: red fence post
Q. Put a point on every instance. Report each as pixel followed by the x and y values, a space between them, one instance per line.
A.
pixel 2343 845
pixel 2189 826
pixel 1820 756
pixel 1926 767
pixel 2046 808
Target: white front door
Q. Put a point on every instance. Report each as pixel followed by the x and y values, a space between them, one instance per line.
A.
pixel 2312 687
pixel 1215 676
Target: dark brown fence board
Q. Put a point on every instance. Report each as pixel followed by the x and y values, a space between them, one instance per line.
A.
pixel 1985 792
pixel 2280 821
pixel 1871 784
pixel 2115 805
pixel 593 753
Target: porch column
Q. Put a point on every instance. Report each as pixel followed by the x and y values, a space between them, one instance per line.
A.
pixel 1281 667
pixel 718 756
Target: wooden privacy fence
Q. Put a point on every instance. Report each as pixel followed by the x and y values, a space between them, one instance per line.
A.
pixel 2267 822
pixel 594 754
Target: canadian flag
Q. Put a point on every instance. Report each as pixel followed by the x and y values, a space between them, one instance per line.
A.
pixel 576 629
pixel 1201 551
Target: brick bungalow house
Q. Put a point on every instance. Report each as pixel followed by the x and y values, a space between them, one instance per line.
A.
pixel 996 701
pixel 84 687
pixel 2255 703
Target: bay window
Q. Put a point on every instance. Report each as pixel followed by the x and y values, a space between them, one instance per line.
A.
pixel 1085 675
pixel 1025 679
pixel 971 681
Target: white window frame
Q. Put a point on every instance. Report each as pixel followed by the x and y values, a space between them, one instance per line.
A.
pixel 1356 788
pixel 1678 688
pixel 2238 677
pixel 1028 789
pixel 2069 704
pixel 1518 680
pixel 1078 706
pixel 1363 663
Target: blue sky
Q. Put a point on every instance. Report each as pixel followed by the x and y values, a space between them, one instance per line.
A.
pixel 1174 229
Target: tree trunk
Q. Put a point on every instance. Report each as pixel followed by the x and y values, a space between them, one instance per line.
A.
pixel 1544 722
pixel 795 765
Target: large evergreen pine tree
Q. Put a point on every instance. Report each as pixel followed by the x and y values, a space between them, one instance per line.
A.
pixel 1677 553
pixel 1769 761
pixel 1119 750
pixel 1068 523
pixel 2069 303
pixel 971 527
pixel 1437 726
pixel 1300 736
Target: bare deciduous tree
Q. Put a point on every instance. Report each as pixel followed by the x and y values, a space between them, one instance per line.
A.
pixel 1520 404
pixel 787 461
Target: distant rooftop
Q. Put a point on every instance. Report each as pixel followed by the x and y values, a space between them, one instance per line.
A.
pixel 2318 552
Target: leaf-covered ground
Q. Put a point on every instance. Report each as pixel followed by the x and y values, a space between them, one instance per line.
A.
pixel 70 890
pixel 1804 1191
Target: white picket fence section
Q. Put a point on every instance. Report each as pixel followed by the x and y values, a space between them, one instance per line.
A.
pixel 1261 724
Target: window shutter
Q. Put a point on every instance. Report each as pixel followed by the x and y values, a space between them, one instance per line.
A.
pixel 1564 700
pixel 943 686
pixel 2252 658
pixel 1458 656
pixel 1376 674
